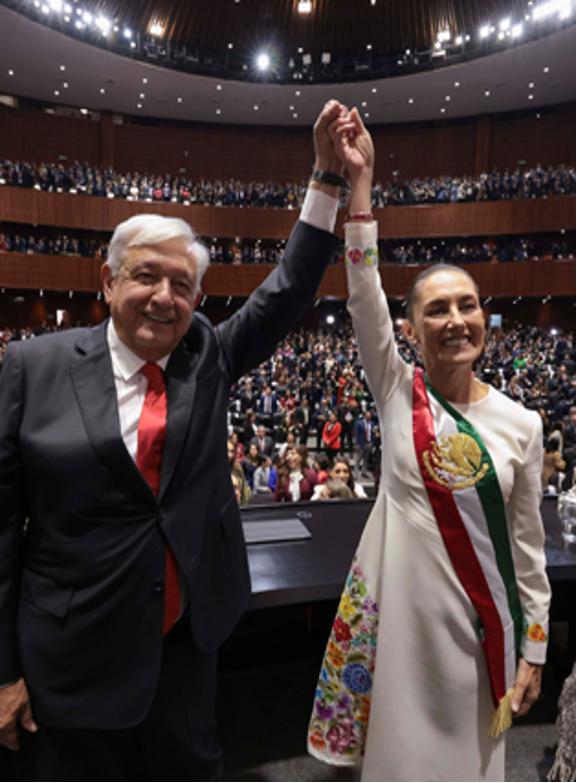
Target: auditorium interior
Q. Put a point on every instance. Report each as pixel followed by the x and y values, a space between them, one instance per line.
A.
pixel 204 111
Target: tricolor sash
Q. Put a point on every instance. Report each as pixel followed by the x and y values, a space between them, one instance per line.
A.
pixel 467 502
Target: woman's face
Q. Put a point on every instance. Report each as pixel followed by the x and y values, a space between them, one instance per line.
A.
pixel 253 450
pixel 293 459
pixel 448 323
pixel 341 471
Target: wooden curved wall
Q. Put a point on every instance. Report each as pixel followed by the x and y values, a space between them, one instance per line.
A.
pixel 64 273
pixel 62 210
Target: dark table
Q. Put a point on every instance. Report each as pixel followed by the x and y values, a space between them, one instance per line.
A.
pixel 315 568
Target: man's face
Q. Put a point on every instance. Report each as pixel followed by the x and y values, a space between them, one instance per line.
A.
pixel 153 297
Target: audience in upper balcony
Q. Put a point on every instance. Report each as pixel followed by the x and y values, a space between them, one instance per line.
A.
pixel 431 251
pixel 82 178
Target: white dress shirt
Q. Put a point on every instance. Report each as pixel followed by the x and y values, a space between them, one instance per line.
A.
pixel 131 386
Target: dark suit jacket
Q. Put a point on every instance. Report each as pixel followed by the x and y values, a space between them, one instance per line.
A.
pixel 268 444
pixel 81 594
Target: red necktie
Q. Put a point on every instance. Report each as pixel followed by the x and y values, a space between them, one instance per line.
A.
pixel 151 437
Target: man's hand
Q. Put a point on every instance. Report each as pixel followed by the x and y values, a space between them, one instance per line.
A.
pixel 527 687
pixel 14 709
pixel 326 158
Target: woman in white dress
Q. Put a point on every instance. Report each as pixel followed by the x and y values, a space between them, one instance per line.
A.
pixel 441 632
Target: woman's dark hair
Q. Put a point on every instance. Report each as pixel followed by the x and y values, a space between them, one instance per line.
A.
pixel 322 461
pixel 552 445
pixel 344 461
pixel 431 270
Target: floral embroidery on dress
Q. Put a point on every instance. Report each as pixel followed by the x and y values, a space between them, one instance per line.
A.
pixel 535 632
pixel 354 256
pixel 371 256
pixel 342 701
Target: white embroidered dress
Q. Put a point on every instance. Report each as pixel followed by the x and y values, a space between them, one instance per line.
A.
pixel 423 670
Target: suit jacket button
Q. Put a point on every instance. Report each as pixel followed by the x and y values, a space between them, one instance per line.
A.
pixel 158 586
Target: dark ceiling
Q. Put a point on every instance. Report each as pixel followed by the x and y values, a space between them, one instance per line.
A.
pixel 342 27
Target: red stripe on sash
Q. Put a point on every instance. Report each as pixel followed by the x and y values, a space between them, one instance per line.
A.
pixel 458 544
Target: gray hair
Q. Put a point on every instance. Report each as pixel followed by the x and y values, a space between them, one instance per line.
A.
pixel 152 229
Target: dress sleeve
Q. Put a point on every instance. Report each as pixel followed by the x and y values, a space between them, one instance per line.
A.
pixel 369 310
pixel 528 549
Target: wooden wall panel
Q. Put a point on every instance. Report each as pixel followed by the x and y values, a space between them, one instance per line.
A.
pixel 247 153
pixel 29 134
pixel 548 139
pixel 63 273
pixel 461 220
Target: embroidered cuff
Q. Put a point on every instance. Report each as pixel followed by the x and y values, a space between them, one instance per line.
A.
pixel 361 244
pixel 534 643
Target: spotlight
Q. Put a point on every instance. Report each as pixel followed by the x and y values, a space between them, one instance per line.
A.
pixel 485 31
pixel 517 30
pixel 127 33
pixel 263 62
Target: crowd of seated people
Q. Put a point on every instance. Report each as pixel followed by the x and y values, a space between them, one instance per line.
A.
pixel 83 178
pixel 58 245
pixel 455 250
pixel 282 409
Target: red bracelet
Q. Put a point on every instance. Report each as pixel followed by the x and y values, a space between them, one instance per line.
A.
pixel 368 216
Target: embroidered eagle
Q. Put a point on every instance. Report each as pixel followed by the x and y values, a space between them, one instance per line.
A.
pixel 458 454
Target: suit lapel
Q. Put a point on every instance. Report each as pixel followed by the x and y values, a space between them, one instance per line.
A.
pixel 180 392
pixel 93 382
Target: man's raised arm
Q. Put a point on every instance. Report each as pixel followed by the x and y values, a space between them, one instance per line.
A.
pixel 252 334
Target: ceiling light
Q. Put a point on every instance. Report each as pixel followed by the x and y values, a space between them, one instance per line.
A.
pixel 459 40
pixel 56 5
pixel 447 97
pixel 300 50
pixel 546 69
pixel 369 47
pixel 263 62
pixel 127 33
pixel 145 80
pixel 295 116
pixel 156 29
pixel 501 36
pixel 133 44
pixel 10 72
pixel 46 9
pixel 139 106
pixel 66 18
pixel 62 67
pixel 457 84
pixel 219 86
pixel 218 111
pixel 56 92
pixel 305 6
pixel 531 85
pixel 530 97
pixel 298 93
pixel 545 10
pixel 102 90
pixel 87 17
pixel 291 108
pixel 374 89
pixel 505 24
pixel 411 100
pixel 485 31
pixel 256 107
pixel 487 93
pixel 142 96
pixel 65 85
pixel 443 110
pixel 231 46
pixel 363 104
pixel 517 30
pixel 83 111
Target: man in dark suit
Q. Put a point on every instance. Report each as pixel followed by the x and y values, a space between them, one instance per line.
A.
pixel 569 449
pixel 304 419
pixel 364 435
pixel 264 442
pixel 86 586
pixel 267 406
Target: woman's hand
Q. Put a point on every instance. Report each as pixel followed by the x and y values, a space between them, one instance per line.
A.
pixel 353 144
pixel 527 687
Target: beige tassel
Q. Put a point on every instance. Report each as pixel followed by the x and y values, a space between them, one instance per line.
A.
pixel 503 716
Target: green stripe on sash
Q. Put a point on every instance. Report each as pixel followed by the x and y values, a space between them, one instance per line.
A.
pixel 491 497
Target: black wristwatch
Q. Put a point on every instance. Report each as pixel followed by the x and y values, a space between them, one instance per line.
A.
pixel 329 178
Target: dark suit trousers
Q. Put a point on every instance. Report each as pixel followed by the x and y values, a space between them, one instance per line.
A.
pixel 176 741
